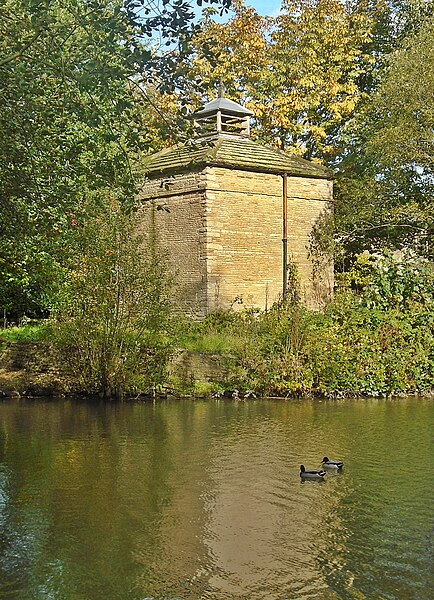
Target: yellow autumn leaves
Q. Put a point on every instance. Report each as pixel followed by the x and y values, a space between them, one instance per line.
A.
pixel 298 72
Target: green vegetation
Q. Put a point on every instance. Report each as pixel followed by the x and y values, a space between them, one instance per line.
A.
pixel 385 183
pixel 113 311
pixel 212 336
pixel 375 338
pixel 77 110
pixel 27 333
pixel 377 341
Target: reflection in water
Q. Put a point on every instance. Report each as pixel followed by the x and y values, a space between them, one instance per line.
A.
pixel 203 500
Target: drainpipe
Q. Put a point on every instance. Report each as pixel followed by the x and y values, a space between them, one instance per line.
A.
pixel 285 235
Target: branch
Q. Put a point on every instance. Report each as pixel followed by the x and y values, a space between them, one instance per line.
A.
pixel 12 57
pixel 352 235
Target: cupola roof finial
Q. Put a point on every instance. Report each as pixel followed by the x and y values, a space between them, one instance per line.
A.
pixel 223 116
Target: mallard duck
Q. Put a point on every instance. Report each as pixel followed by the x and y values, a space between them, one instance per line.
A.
pixel 331 464
pixel 314 474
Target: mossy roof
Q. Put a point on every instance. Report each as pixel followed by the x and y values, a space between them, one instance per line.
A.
pixel 231 152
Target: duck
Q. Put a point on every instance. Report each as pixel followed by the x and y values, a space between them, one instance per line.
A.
pixel 314 474
pixel 332 464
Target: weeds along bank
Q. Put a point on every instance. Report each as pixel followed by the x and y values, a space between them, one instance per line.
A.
pixel 348 350
pixel 375 338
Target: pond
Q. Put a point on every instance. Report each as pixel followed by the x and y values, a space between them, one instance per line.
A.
pixel 189 500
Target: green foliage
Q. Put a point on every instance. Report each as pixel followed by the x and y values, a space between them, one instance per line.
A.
pixel 402 281
pixel 403 106
pixel 211 343
pixel 384 192
pixel 372 352
pixel 63 134
pixel 76 111
pixel 26 333
pixel 116 332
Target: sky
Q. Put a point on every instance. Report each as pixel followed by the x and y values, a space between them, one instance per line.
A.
pixel 268 8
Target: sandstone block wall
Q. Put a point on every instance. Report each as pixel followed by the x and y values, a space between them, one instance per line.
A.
pixel 244 235
pixel 223 232
pixel 308 199
pixel 177 206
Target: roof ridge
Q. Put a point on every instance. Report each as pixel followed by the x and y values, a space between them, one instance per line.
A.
pixel 245 154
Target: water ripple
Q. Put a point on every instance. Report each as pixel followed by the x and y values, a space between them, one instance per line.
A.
pixel 203 501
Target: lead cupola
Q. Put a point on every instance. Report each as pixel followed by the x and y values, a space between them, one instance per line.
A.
pixel 223 116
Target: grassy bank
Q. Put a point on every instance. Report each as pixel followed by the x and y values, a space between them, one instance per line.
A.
pixel 348 350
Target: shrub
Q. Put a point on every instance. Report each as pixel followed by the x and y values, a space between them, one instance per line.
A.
pixel 113 315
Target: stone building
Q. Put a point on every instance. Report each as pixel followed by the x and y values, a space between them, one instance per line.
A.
pixel 236 216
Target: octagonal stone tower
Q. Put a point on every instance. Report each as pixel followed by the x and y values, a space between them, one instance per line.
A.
pixel 235 215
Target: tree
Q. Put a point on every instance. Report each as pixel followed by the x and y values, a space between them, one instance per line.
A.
pixel 76 97
pixel 297 72
pixel 59 137
pixel 386 183
pixel 317 59
pixel 234 53
pixel 402 111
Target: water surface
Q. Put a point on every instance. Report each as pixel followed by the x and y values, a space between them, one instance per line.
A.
pixel 190 500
